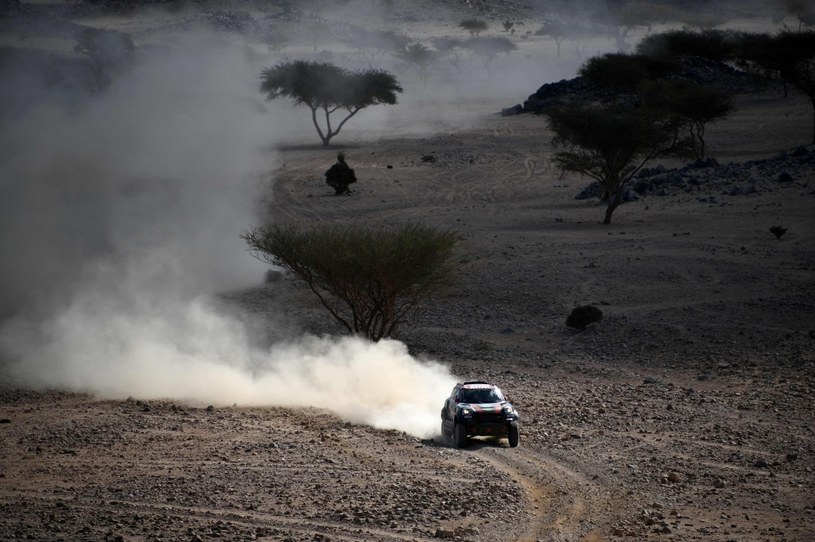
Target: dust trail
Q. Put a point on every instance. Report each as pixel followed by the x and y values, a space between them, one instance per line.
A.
pixel 115 345
pixel 120 225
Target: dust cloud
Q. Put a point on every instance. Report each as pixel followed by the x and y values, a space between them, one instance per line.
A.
pixel 119 226
pixel 187 350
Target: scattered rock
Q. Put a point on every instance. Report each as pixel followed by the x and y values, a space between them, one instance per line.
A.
pixel 704 163
pixel 778 231
pixel 582 316
pixel 514 110
pixel 593 190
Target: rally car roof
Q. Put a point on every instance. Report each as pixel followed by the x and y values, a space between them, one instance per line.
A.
pixel 477 384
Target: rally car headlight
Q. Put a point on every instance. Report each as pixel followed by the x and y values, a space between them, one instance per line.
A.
pixel 466 412
pixel 509 411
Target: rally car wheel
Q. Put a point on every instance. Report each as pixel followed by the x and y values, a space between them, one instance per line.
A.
pixel 514 435
pixel 459 436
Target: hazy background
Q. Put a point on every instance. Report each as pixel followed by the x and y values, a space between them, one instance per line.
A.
pixel 119 225
pixel 122 206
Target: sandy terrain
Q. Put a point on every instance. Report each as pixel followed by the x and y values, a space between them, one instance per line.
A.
pixel 685 414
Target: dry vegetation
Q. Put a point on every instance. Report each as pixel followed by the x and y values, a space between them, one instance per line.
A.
pixel 684 414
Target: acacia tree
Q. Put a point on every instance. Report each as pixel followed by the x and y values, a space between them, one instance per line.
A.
pixel 421 56
pixel 372 45
pixel 488 48
pixel 617 72
pixel 473 26
pixel 645 78
pixel 328 89
pixel 451 49
pixel 610 144
pixel 790 56
pixel 555 29
pixel 694 105
pixel 621 18
pixel 369 279
pixel 672 44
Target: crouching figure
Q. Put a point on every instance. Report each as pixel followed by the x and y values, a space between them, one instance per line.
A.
pixel 340 176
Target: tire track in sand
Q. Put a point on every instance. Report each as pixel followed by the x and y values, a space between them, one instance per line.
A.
pixel 335 530
pixel 565 506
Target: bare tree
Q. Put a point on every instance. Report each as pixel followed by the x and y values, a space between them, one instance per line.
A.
pixel 369 279
pixel 328 89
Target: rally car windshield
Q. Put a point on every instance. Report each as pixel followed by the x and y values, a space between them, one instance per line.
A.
pixel 486 395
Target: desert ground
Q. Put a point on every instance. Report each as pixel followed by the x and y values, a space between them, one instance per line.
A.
pixel 686 413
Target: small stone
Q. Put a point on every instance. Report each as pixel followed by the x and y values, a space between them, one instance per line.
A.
pixel 445 533
pixel 674 477
pixel 761 464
